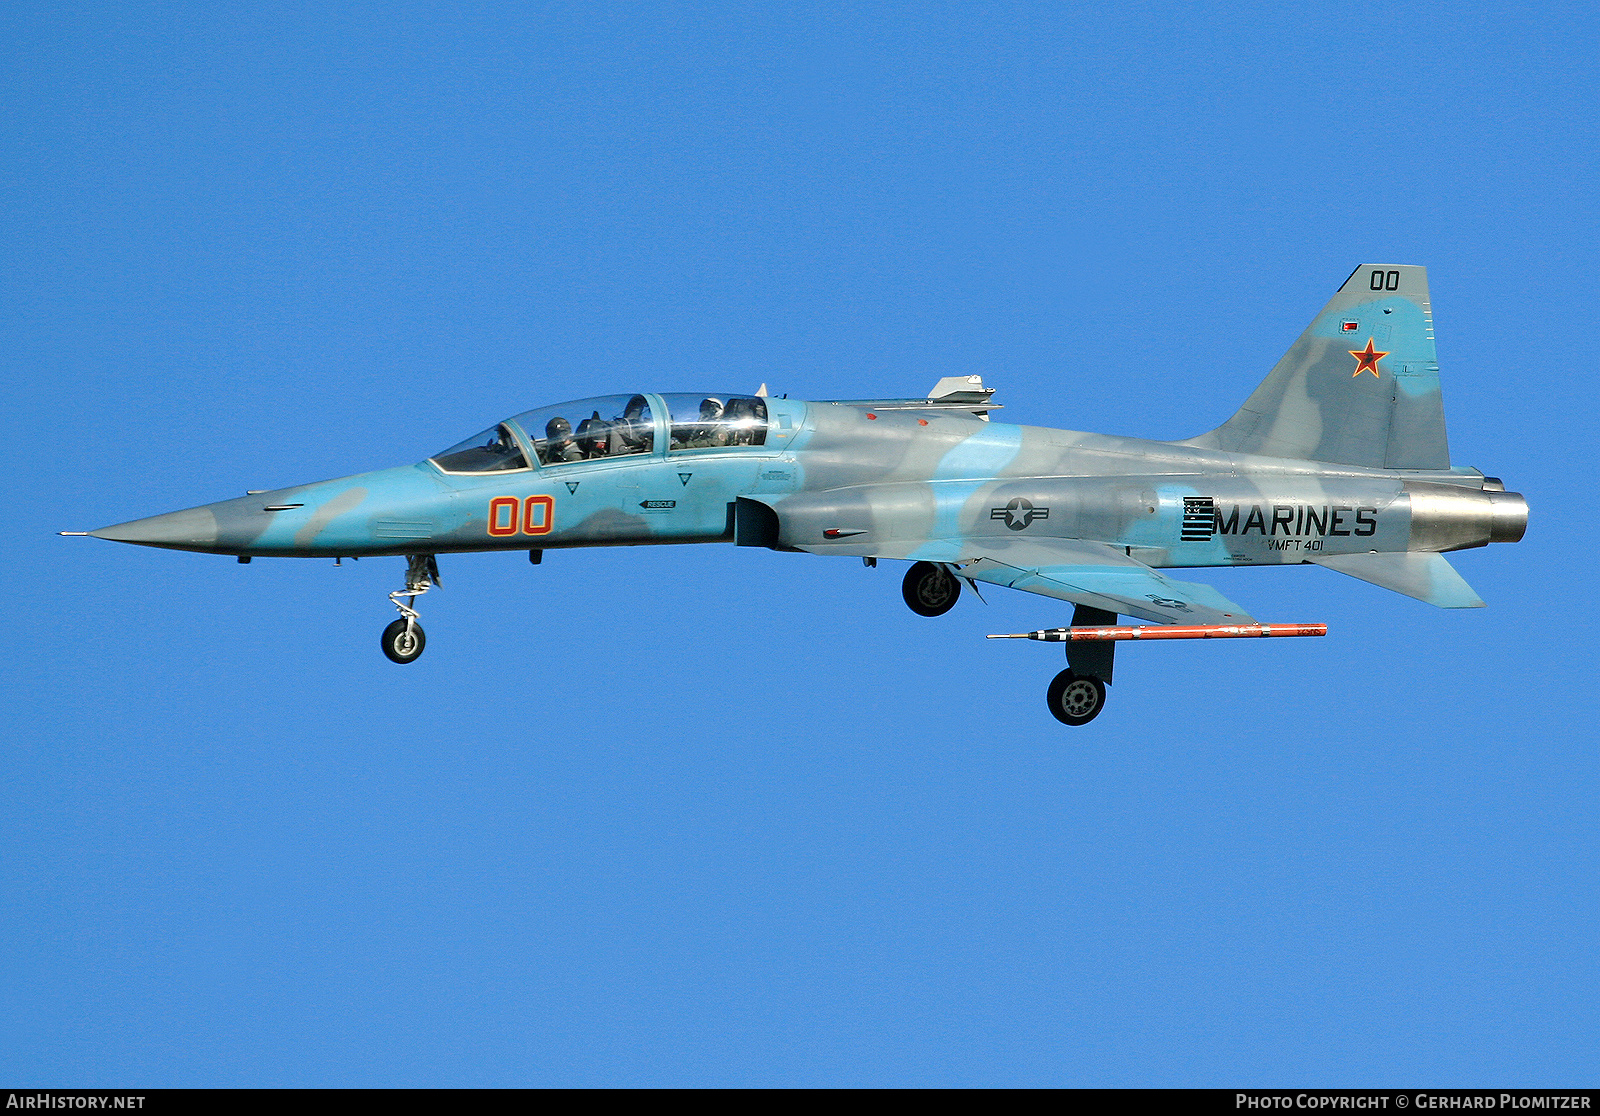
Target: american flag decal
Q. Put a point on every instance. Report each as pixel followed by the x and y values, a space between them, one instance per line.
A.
pixel 1199 518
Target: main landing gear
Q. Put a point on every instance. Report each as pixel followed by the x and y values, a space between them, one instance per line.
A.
pixel 1077 694
pixel 404 640
pixel 1075 699
pixel 930 589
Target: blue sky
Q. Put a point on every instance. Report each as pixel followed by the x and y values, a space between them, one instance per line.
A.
pixel 714 816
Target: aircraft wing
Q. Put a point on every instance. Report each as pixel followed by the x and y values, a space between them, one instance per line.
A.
pixel 1089 573
pixel 1098 575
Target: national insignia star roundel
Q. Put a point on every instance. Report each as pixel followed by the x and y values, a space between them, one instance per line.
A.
pixel 1366 359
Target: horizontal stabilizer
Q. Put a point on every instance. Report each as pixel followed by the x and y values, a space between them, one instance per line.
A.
pixel 1427 577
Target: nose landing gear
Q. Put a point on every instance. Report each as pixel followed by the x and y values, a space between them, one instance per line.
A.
pixel 404 640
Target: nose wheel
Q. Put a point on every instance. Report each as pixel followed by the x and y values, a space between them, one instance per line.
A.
pixel 404 639
pixel 1075 699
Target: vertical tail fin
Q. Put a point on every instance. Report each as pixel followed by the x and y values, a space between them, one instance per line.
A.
pixel 1360 386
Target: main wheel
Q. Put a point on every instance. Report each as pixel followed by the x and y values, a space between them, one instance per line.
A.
pixel 401 645
pixel 1076 700
pixel 930 590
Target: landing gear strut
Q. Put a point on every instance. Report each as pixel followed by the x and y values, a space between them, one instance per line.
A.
pixel 404 640
pixel 1077 694
pixel 930 589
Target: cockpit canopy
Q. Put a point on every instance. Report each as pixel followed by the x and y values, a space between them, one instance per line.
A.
pixel 716 421
pixel 493 451
pixel 610 426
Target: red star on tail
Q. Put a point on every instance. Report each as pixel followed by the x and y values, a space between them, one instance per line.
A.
pixel 1366 359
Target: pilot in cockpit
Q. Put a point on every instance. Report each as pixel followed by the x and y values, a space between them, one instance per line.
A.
pixel 707 433
pixel 559 444
pixel 633 431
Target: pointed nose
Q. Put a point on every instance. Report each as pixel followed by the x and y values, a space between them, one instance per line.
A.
pixel 191 529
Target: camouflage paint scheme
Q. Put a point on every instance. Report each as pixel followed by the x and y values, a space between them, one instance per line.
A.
pixel 1339 458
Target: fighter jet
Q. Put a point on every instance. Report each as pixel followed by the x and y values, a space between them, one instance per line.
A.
pixel 1338 459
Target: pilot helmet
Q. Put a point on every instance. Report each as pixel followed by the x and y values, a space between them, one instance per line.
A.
pixel 558 429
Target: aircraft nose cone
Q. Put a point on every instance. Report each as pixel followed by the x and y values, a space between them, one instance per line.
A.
pixel 192 529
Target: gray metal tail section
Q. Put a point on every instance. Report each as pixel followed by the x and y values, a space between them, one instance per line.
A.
pixel 1360 386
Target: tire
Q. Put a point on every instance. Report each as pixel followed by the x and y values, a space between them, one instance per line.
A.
pixel 1076 700
pixel 930 590
pixel 401 646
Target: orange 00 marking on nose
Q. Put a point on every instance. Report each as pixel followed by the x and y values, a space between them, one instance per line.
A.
pixel 546 508
pixel 506 508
